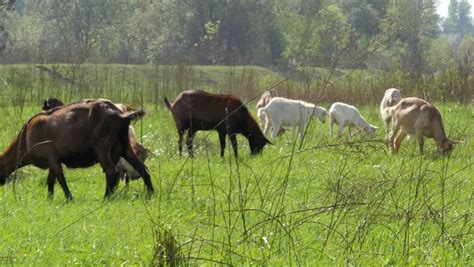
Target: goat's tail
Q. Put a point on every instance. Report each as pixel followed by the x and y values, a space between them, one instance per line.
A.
pixel 167 103
pixel 135 115
pixel 260 112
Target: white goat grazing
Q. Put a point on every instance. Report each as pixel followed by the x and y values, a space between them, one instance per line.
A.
pixel 391 97
pixel 282 112
pixel 347 116
pixel 264 99
pixel 125 171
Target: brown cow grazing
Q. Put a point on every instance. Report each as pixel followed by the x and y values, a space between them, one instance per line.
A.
pixel 125 170
pixel 77 135
pixel 414 116
pixel 196 110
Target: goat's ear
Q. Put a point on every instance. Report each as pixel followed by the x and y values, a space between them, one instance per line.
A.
pixel 456 142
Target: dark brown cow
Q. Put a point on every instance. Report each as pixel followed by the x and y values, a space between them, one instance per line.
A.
pixel 197 110
pixel 125 170
pixel 77 135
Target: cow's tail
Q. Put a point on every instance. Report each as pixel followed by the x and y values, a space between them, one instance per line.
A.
pixel 135 115
pixel 167 103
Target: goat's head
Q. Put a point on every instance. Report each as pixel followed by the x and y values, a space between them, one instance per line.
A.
pixel 394 99
pixel 446 146
pixel 370 129
pixel 321 114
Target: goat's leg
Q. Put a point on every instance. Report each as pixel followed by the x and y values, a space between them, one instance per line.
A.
pixel 301 131
pixel 341 128
pixel 263 119
pixel 222 142
pixel 331 123
pixel 421 142
pixel 233 141
pixel 266 130
pixel 57 170
pixel 386 118
pixel 140 168
pixel 386 123
pixel 189 142
pixel 51 180
pixel 398 141
pixel 275 129
pixel 392 135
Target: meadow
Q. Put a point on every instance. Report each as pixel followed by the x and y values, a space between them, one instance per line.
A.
pixel 328 202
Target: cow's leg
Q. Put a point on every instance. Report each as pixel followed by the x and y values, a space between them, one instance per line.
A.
pixel 51 180
pixel 233 141
pixel 140 168
pixel 222 135
pixel 103 152
pixel 57 171
pixel 180 142
pixel 189 141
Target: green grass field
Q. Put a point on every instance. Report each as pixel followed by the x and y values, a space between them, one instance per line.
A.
pixel 328 203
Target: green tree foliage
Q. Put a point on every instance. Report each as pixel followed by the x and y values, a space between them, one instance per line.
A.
pixel 411 26
pixel 459 21
pixel 383 34
pixel 5 7
pixel 440 55
pixel 365 15
pixel 319 42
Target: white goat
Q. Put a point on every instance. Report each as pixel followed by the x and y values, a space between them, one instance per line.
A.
pixel 125 170
pixel 264 99
pixel 282 112
pixel 391 97
pixel 347 116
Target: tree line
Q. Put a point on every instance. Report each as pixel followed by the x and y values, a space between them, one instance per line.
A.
pixel 387 35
